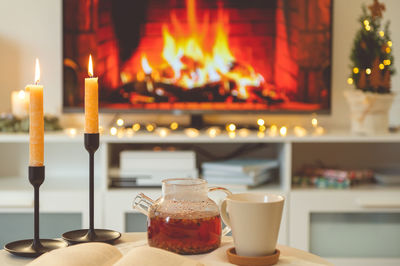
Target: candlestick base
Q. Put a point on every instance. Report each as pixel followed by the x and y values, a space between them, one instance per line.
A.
pixel 25 248
pixel 86 235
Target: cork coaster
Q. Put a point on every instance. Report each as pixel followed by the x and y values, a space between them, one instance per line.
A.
pixel 252 261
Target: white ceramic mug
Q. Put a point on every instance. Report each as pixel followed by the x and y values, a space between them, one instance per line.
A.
pixel 255 219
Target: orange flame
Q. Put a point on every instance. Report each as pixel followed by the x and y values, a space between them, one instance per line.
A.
pixel 90 67
pixel 145 65
pixel 37 71
pixel 193 64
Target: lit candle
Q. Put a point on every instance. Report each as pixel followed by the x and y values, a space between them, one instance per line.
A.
pixel 20 103
pixel 91 101
pixel 36 121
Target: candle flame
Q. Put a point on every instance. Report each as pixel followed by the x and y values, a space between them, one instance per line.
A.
pixel 37 71
pixel 90 68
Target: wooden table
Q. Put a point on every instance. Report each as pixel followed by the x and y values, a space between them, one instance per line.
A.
pixel 289 256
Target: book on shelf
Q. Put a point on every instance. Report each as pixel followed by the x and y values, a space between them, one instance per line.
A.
pixel 241 179
pixel 100 254
pixel 241 165
pixel 161 160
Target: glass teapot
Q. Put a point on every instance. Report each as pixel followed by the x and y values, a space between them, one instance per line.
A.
pixel 184 219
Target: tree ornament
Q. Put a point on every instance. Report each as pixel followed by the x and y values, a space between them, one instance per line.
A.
pixel 362 82
pixel 376 9
pixel 375 79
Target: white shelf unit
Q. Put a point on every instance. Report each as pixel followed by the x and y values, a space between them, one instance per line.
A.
pixel 65 187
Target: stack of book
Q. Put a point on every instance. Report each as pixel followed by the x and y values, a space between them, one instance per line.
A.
pixel 149 168
pixel 248 172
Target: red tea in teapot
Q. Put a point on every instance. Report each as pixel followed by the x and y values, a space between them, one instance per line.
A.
pixel 185 236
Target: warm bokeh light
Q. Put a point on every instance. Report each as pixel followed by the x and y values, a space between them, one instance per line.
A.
pixel 136 127
pixel 389 43
pixel 90 67
pixel 283 131
pixel 350 81
pixel 231 127
pixel 299 131
pixel 314 122
pixel 381 66
pixel 381 33
pixel 355 70
pixel 37 71
pixel 150 127
pixel 120 122
pixel 260 122
pixel 174 126
pixel 388 50
pixel 368 71
pixel 113 131
pixel 366 22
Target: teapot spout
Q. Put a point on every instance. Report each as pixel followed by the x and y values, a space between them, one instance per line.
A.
pixel 142 203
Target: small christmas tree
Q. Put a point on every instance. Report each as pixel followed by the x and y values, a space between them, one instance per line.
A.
pixel 371 55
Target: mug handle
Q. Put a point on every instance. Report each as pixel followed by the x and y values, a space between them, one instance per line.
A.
pixel 224 215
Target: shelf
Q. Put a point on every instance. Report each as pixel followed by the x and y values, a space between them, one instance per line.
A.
pixel 357 188
pixel 341 136
pixel 21 184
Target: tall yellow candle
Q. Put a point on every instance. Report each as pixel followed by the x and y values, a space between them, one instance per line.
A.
pixel 36 121
pixel 91 101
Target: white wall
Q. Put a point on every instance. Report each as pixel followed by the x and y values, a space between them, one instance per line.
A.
pixel 33 28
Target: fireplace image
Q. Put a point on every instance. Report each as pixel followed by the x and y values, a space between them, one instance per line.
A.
pixel 200 56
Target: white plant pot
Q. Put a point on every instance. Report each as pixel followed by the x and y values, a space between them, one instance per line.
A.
pixel 369 112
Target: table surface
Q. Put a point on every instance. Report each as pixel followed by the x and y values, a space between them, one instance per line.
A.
pixel 289 256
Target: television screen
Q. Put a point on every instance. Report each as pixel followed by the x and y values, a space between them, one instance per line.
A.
pixel 200 56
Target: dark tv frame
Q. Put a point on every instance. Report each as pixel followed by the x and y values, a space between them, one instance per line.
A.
pixel 196 113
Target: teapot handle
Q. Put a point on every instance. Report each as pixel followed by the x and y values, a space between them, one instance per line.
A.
pixel 142 203
pixel 226 229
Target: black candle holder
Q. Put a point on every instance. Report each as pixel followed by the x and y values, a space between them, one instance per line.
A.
pixel 91 234
pixel 36 246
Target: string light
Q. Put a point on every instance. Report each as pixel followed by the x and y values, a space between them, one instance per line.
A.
pixel 350 81
pixel 136 127
pixel 319 131
pixel 273 130
pixel 260 134
pixel 162 131
pixel 231 127
pixel 381 66
pixel 260 122
pixel 387 50
pixel 150 127
pixel 262 128
pixel 368 71
pixel 174 126
pixel 232 134
pixel 389 43
pixel 113 131
pixel 366 22
pixel 355 70
pixel 130 132
pixel 120 132
pixel 367 28
pixel 283 131
pixel 120 122
pixel 243 132
pixel 213 132
pixel 191 132
pixel 386 62
pixel 381 33
pixel 314 122
pixel 299 131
